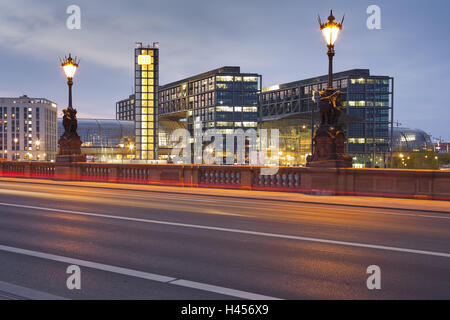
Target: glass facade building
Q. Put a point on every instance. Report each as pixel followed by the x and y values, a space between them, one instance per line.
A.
pixel 125 109
pixel 224 99
pixel 368 105
pixel 411 140
pixel 104 139
pixel 146 104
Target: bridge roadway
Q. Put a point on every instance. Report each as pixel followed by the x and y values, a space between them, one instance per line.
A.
pixel 155 242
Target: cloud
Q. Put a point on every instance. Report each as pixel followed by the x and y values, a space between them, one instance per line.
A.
pixel 279 40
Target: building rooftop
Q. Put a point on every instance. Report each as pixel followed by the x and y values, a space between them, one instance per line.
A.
pixel 26 99
pixel 222 70
pixel 360 73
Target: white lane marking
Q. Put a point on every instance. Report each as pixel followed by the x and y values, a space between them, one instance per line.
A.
pixel 26 293
pixel 256 233
pixel 221 290
pixel 139 274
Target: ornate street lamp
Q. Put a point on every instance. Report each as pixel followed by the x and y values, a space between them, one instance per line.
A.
pixel 70 142
pixel 329 139
pixel 330 31
pixel 70 67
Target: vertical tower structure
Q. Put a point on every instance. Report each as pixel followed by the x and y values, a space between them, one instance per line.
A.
pixel 146 101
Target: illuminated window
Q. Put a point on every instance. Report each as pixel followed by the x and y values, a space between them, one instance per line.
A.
pixel 250 79
pixel 224 78
pixel 358 81
pixel 224 124
pixel 224 109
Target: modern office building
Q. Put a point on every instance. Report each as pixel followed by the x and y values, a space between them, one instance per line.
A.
pixel 125 109
pixel 28 129
pixel 368 105
pixel 224 99
pixel 146 104
pixel 105 140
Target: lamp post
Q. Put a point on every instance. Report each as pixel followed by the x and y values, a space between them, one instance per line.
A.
pixel 330 31
pixel 70 142
pixel 328 142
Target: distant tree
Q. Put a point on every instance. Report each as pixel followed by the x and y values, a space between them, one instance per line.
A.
pixel 417 160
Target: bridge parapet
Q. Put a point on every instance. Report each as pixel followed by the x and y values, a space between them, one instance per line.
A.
pixel 422 184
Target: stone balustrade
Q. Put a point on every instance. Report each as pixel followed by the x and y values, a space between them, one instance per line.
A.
pixel 426 184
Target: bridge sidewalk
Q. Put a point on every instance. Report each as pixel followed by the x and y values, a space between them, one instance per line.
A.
pixel 359 201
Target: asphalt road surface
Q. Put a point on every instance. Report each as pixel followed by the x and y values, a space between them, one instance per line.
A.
pixel 167 243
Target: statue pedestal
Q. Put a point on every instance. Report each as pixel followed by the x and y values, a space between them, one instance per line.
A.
pixel 70 149
pixel 329 149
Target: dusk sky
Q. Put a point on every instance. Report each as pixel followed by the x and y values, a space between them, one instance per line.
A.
pixel 278 39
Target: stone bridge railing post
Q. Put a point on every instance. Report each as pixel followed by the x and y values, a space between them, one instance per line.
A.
pixel 246 177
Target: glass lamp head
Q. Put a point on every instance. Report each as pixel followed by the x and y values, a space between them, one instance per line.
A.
pixel 70 66
pixel 330 29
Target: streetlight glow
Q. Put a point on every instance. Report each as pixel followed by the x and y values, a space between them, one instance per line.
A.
pixel 331 29
pixel 330 34
pixel 70 67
